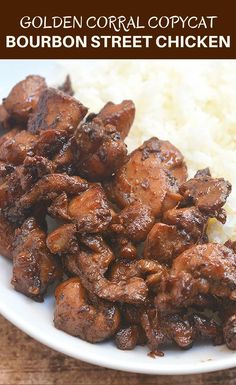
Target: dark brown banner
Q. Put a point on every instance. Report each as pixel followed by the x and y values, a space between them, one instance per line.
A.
pixel 124 29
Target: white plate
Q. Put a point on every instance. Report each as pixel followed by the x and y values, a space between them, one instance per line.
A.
pixel 35 319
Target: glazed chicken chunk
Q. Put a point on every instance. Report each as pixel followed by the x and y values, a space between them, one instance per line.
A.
pixel 90 210
pixel 127 233
pixel 182 228
pixel 7 231
pixel 119 115
pixel 34 267
pixel 24 96
pixel 100 150
pixel 147 176
pixel 46 189
pixel 202 269
pixel 82 314
pixel 56 110
pixel 15 149
pixel 134 221
pixel 90 262
pixel 207 193
pixel 178 328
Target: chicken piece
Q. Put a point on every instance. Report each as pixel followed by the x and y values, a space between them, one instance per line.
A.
pixel 58 146
pixel 64 160
pixel 9 135
pixel 90 210
pixel 47 189
pixel 34 168
pixel 161 330
pixel 127 338
pixel 5 170
pixel 134 222
pixel 133 290
pixel 34 267
pixel 21 179
pixel 202 269
pixel 59 207
pixel 24 96
pixel 67 86
pixel 100 150
pixel 131 314
pixel 146 177
pixel 206 328
pixel 165 242
pixel 189 219
pixel 56 110
pixel 171 158
pixel 78 314
pixel 119 115
pixel 208 194
pixel 91 264
pixel 231 245
pixel 185 227
pixel 15 149
pixel 124 270
pixel 229 331
pixel 178 328
pixel 63 240
pixel 10 189
pixel 227 314
pixel 122 246
pixel 7 234
pixel 6 121
pixel 50 142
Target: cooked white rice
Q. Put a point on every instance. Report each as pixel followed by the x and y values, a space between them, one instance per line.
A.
pixel 190 103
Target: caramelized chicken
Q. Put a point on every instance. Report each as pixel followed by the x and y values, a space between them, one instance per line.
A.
pixel 170 157
pixel 119 115
pixel 229 331
pixel 100 150
pixel 147 177
pixel 34 267
pixel 90 210
pixel 64 159
pixel 47 189
pixel 131 236
pixel 5 120
pixel 122 246
pixel 165 242
pixel 134 222
pixel 185 227
pixel 151 271
pixel 22 178
pixel 10 134
pixel 63 239
pixel 24 97
pixel 15 149
pixel 91 264
pixel 5 170
pixel 189 219
pixel 202 269
pixel 50 142
pixel 82 315
pixel 127 338
pixel 7 231
pixel 56 110
pixel 207 193
pixel 178 328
